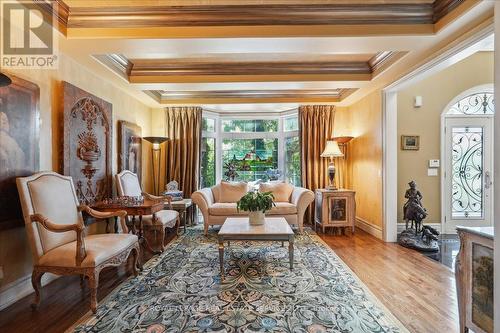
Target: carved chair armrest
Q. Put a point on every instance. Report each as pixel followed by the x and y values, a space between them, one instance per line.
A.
pixel 79 228
pixel 51 226
pixel 152 197
pixel 106 215
pixel 164 198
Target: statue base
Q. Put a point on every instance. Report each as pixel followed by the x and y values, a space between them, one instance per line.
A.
pixel 408 239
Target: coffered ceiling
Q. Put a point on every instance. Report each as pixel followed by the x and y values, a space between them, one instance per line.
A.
pixel 261 52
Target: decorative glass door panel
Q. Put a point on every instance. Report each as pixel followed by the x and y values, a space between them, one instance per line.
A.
pixel 467 173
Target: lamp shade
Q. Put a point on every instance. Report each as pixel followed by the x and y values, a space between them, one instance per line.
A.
pixel 155 139
pixel 332 150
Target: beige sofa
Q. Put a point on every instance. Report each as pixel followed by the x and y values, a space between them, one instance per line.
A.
pixel 217 203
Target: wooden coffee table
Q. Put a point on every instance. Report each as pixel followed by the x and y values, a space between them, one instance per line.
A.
pixel 239 229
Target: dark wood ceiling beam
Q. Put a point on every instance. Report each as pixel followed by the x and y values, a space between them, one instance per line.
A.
pixel 249 68
pixel 250 15
pixel 356 19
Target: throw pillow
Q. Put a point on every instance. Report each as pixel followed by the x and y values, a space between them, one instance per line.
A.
pixel 281 191
pixel 232 191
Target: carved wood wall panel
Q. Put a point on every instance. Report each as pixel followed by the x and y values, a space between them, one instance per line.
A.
pixel 87 149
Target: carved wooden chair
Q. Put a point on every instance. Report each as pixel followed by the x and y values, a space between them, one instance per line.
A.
pixel 57 234
pixel 128 184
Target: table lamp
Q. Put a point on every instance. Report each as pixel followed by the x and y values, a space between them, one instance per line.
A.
pixel 156 157
pixel 332 150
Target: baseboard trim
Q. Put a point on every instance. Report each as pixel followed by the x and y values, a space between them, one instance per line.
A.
pixel 437 226
pixel 14 291
pixel 369 228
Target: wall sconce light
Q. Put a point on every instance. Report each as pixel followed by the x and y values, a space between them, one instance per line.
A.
pixel 343 141
pixel 155 159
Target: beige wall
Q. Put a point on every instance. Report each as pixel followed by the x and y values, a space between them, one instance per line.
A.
pixel 15 255
pixel 437 91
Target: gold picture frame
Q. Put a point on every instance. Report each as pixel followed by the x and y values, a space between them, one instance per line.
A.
pixel 410 142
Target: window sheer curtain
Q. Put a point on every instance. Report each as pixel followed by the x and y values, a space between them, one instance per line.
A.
pixel 316 127
pixel 182 157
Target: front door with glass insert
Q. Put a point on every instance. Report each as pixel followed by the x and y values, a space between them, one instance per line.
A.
pixel 468 172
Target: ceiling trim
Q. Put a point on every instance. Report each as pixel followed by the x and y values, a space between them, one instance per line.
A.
pixel 189 70
pixel 333 19
pixel 249 96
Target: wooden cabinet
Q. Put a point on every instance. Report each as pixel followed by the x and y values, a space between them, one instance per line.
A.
pixel 335 208
pixel 474 278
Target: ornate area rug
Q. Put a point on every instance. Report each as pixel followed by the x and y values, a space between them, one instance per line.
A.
pixel 180 291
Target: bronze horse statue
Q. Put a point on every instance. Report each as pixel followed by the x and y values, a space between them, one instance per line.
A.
pixel 416 214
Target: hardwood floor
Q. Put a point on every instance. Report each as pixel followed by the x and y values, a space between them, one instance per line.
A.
pixel 417 290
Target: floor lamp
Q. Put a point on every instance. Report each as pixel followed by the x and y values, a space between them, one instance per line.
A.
pixel 155 159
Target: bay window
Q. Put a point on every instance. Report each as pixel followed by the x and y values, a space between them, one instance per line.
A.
pixel 249 149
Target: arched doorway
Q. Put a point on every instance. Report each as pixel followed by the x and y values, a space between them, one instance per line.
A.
pixel 467 155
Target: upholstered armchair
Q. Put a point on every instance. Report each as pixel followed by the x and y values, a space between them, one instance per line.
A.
pixel 128 184
pixel 57 234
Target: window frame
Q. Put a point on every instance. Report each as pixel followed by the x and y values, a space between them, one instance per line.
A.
pixel 220 135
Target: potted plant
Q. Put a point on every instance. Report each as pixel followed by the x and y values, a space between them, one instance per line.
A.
pixel 257 204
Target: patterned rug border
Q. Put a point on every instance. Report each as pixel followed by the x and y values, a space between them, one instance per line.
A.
pixel 150 264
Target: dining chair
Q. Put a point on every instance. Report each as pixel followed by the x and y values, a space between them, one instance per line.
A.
pixel 128 184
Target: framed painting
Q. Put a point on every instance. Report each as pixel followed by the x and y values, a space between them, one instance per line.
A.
pixel 87 149
pixel 130 147
pixel 410 142
pixel 19 145
pixel 482 287
pixel 338 209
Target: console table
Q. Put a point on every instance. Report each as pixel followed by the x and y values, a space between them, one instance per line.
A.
pixel 474 278
pixel 335 208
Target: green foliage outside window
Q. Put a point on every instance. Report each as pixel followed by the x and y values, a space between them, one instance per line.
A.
pixel 251 157
pixel 292 160
pixel 208 124
pixel 257 125
pixel 207 162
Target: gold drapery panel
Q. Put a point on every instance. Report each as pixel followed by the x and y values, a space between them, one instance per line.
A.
pixel 316 127
pixel 182 157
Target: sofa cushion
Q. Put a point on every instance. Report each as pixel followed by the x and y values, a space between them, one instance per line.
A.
pixel 283 208
pixel 216 192
pixel 232 191
pixel 281 191
pixel 229 209
pixel 225 209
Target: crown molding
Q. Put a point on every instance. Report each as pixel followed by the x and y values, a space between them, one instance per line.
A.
pixel 249 96
pixel 241 70
pixel 325 19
